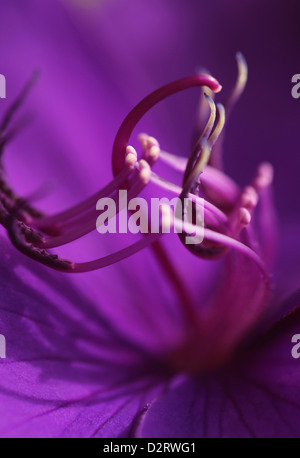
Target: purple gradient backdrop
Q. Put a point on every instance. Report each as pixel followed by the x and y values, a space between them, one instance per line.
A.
pixel 97 59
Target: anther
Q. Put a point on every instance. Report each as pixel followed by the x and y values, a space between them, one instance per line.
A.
pixel 244 217
pixel 145 171
pixel 131 157
pixel 17 236
pixel 264 176
pixel 249 198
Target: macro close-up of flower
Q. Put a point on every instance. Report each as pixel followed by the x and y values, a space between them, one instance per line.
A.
pixel 149 221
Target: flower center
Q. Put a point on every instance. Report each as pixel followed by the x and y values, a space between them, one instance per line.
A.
pixel 227 210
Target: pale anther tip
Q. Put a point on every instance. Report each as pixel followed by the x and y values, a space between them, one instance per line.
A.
pixel 130 150
pixel 152 141
pixel 145 171
pixel 245 216
pixel 154 152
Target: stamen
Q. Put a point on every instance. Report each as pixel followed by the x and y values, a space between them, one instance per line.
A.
pixel 131 157
pixel 131 120
pixel 219 186
pixel 106 261
pixel 18 239
pixel 240 82
pixel 57 263
pixel 227 242
pixel 244 216
pixel 61 218
pixel 219 127
pixel 194 168
pixel 204 152
pixel 208 207
pixel 178 163
pixel 123 133
pixel 86 223
pixel 204 136
pixel 79 211
pixel 202 113
pixel 154 152
pixel 216 156
pixel 30 234
pixel 192 183
pixel 264 176
pixel 145 171
pixel 249 198
pixel 243 220
pixel 192 179
pixel 200 249
pixel 241 215
pixel 220 231
pixel 151 153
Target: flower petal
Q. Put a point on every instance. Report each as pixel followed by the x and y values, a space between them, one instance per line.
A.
pixel 258 396
pixel 62 356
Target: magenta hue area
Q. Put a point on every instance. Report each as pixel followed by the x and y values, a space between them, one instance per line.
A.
pixel 164 343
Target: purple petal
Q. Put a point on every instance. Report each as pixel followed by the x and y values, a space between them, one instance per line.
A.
pixel 256 397
pixel 63 356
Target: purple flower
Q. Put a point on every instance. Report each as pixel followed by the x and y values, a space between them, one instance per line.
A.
pixel 163 344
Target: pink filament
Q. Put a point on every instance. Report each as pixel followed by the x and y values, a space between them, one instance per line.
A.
pixel 131 120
